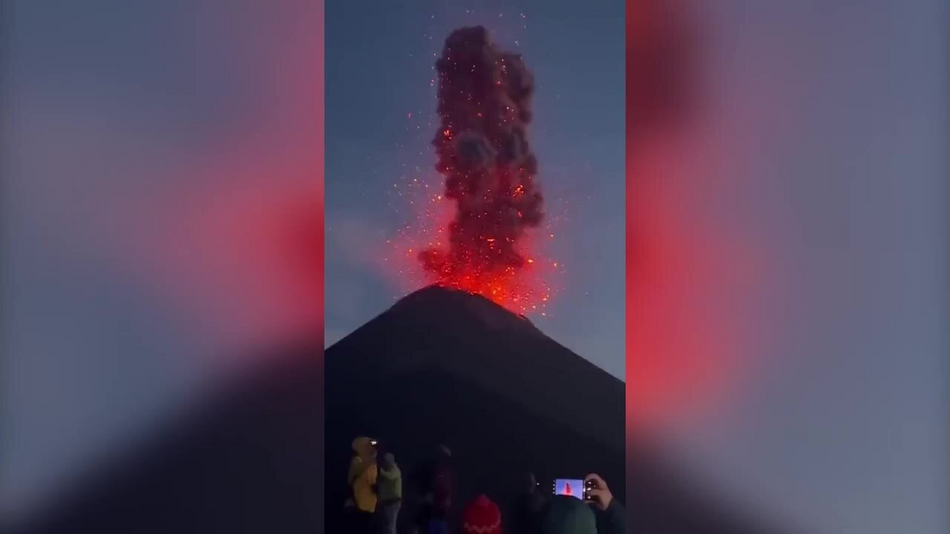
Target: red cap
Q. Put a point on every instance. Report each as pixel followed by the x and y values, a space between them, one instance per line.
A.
pixel 481 516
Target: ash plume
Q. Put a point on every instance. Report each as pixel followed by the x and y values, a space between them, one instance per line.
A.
pixel 482 148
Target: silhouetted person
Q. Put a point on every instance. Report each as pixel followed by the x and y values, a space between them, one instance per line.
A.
pixel 436 478
pixel 527 508
pixel 611 517
pixel 389 494
pixel 567 515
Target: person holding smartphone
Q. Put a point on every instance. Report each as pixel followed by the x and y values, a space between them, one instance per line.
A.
pixel 611 517
pixel 600 513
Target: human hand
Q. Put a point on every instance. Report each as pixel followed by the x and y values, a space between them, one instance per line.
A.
pixel 599 493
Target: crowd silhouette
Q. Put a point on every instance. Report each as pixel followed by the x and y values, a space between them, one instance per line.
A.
pixel 375 494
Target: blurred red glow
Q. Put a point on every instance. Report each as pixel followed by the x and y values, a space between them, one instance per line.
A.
pixel 682 350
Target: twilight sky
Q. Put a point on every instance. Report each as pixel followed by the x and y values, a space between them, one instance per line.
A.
pixel 379 64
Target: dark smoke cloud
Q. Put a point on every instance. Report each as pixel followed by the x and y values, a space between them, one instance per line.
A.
pixel 483 152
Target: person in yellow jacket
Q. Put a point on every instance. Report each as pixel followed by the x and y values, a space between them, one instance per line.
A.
pixel 362 481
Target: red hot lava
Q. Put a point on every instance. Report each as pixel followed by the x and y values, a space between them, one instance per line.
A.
pixel 482 147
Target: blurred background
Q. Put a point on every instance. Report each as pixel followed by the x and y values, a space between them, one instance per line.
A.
pixel 787 266
pixel 162 174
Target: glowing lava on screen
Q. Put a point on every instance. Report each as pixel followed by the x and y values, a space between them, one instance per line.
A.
pixel 481 144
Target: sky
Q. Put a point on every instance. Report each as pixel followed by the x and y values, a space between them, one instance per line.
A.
pixel 379 64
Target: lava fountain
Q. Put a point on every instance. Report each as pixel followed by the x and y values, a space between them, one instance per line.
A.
pixel 484 106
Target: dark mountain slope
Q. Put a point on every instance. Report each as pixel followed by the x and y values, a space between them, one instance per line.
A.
pixel 448 367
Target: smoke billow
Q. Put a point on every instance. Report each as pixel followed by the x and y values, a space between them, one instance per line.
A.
pixel 483 152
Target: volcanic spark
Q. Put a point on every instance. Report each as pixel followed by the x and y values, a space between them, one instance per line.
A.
pixel 482 148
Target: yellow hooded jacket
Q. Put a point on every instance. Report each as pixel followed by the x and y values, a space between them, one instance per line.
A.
pixel 363 474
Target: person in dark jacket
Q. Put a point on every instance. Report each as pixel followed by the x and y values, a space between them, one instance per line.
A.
pixel 528 507
pixel 611 517
pixel 569 515
pixel 436 478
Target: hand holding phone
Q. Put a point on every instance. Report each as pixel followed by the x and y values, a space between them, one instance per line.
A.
pixel 597 491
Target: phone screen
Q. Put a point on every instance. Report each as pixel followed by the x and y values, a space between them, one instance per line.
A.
pixel 573 487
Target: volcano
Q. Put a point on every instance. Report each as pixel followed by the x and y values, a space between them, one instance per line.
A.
pixel 446 367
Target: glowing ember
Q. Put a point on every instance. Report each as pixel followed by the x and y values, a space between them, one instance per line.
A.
pixel 482 148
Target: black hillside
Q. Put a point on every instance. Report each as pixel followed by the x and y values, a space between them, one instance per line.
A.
pixel 447 367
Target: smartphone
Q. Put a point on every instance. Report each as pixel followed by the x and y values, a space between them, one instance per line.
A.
pixel 572 487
